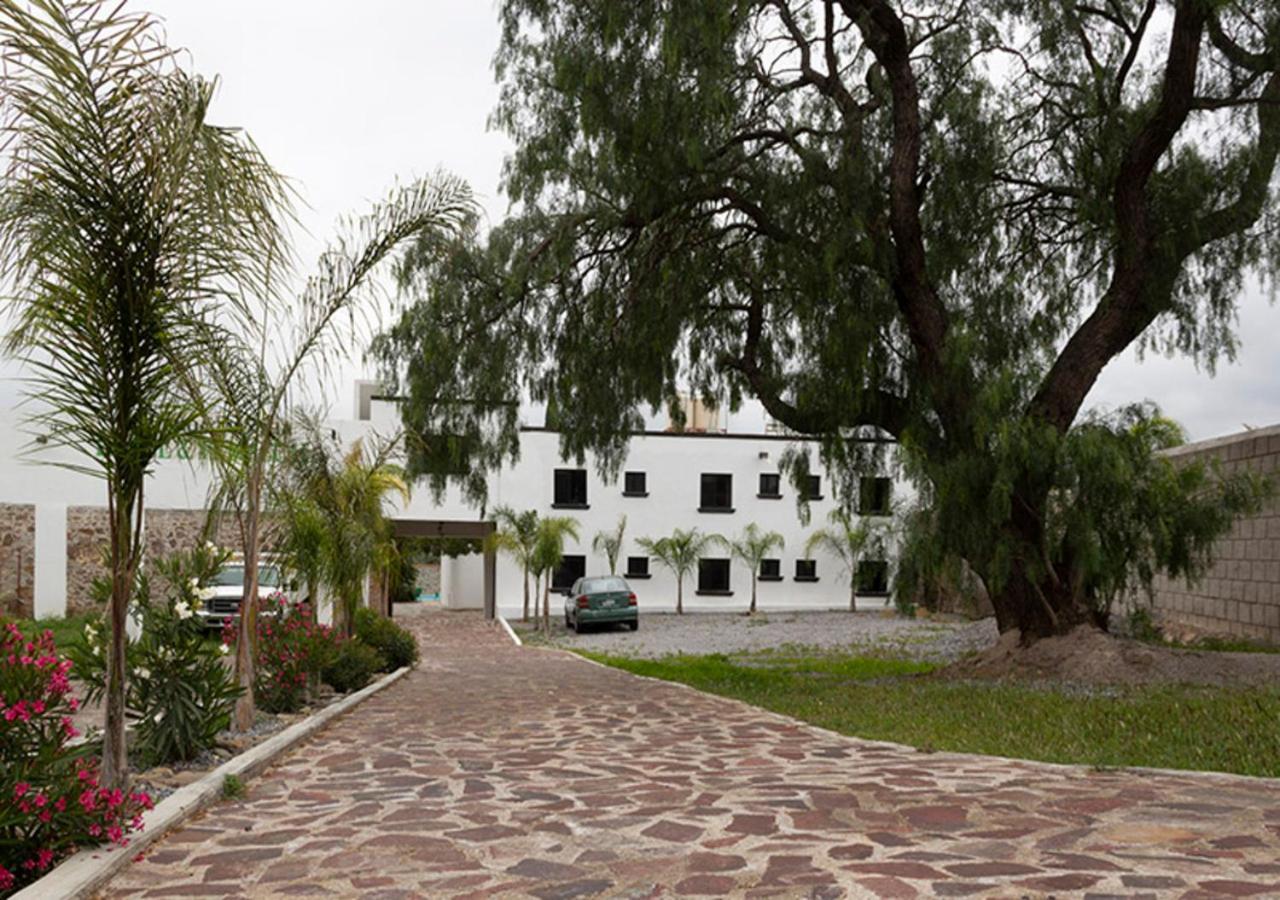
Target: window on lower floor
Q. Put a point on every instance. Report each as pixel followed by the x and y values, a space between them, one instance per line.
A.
pixel 770 485
pixel 813 487
pixel 570 488
pixel 637 567
pixel 717 493
pixel 713 576
pixel 873 576
pixel 875 496
pixel 806 570
pixel 572 567
pixel 634 485
pixel 770 570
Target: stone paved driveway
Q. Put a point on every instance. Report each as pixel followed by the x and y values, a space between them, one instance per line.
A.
pixel 497 771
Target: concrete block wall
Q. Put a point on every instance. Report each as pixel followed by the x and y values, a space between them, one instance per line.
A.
pixel 1240 595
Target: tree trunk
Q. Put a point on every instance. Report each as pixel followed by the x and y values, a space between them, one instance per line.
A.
pixel 247 637
pixel 525 616
pixel 853 591
pixel 115 757
pixel 752 611
pixel 679 595
pixel 546 604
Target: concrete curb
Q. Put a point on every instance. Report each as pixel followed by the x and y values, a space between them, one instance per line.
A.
pixel 506 626
pixel 1083 770
pixel 79 876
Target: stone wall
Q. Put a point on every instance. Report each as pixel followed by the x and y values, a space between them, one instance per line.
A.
pixel 1240 595
pixel 17 558
pixel 88 542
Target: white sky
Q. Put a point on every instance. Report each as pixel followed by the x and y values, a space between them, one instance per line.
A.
pixel 345 97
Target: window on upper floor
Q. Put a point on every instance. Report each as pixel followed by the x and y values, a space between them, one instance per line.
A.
pixel 806 570
pixel 770 570
pixel 770 486
pixel 570 488
pixel 637 567
pixel 873 576
pixel 717 493
pixel 572 567
pixel 713 576
pixel 875 496
pixel 634 484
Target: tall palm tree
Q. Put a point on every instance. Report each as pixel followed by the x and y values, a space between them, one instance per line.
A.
pixel 610 543
pixel 680 552
pixel 753 546
pixel 548 553
pixel 847 538
pixel 517 536
pixel 127 219
pixel 347 496
pixel 260 357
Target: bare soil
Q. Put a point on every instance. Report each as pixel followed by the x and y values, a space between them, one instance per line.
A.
pixel 1093 657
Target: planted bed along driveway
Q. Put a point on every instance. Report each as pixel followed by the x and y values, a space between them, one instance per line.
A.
pixel 500 771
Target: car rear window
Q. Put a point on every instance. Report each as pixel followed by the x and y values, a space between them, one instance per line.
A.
pixel 603 585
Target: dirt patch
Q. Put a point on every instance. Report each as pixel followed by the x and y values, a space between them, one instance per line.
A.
pixel 1089 656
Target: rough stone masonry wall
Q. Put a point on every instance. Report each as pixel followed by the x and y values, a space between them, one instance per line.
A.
pixel 17 558
pixel 1240 595
pixel 88 541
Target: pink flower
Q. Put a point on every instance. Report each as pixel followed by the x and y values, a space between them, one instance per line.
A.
pixel 21 788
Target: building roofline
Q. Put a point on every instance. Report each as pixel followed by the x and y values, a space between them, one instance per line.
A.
pixel 719 435
pixel 1223 441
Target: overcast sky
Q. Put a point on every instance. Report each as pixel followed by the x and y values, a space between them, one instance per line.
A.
pixel 345 97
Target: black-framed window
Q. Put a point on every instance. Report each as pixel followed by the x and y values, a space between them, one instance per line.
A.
pixel 637 567
pixel 813 487
pixel 806 570
pixel 717 493
pixel 570 488
pixel 635 484
pixel 770 570
pixel 875 496
pixel 873 576
pixel 572 567
pixel 770 485
pixel 713 576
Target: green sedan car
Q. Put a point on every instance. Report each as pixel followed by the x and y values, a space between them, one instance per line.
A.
pixel 603 600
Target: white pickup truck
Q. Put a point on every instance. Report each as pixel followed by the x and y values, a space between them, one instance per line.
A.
pixel 225 590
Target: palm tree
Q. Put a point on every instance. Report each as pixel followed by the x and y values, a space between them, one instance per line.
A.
pixel 847 538
pixel 680 552
pixel 752 547
pixel 610 543
pixel 254 378
pixel 126 219
pixel 548 554
pixel 347 497
pixel 517 536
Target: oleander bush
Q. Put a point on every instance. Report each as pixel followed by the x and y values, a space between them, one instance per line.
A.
pixel 397 645
pixel 292 650
pixel 50 800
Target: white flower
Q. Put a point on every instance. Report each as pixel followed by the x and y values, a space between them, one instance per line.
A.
pixel 211 546
pixel 206 592
pixel 142 672
pixel 224 649
pixel 182 609
pixel 194 584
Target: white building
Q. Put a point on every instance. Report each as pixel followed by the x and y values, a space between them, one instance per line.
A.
pixel 714 480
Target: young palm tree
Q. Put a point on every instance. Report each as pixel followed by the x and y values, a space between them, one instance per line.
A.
pixel 548 554
pixel 680 552
pixel 610 543
pixel 753 546
pixel 126 219
pixel 846 538
pixel 517 536
pixel 253 373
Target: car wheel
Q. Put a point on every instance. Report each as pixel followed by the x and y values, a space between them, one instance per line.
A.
pixel 577 626
pixel 567 623
pixel 635 625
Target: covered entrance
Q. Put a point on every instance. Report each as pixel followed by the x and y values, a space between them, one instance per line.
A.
pixel 465 530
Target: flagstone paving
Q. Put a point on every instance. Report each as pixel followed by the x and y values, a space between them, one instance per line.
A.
pixel 500 771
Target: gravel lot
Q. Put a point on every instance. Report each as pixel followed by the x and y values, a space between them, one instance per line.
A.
pixel 663 634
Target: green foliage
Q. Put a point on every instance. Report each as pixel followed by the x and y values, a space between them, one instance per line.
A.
pixel 679 552
pixel 397 645
pixel 1228 730
pixel 849 539
pixel 232 787
pixel 752 547
pixel 353 666
pixel 179 690
pixel 875 226
pixel 291 649
pixel 610 543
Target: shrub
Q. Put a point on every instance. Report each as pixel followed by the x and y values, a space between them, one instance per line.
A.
pixel 396 644
pixel 355 663
pixel 50 799
pixel 179 689
pixel 292 650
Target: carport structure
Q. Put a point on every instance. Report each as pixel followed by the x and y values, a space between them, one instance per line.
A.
pixel 455 528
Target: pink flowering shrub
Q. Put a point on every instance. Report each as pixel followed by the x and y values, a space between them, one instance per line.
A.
pixel 292 648
pixel 50 799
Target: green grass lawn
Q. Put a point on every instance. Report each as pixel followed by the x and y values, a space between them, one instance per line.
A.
pixel 885 699
pixel 65 630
